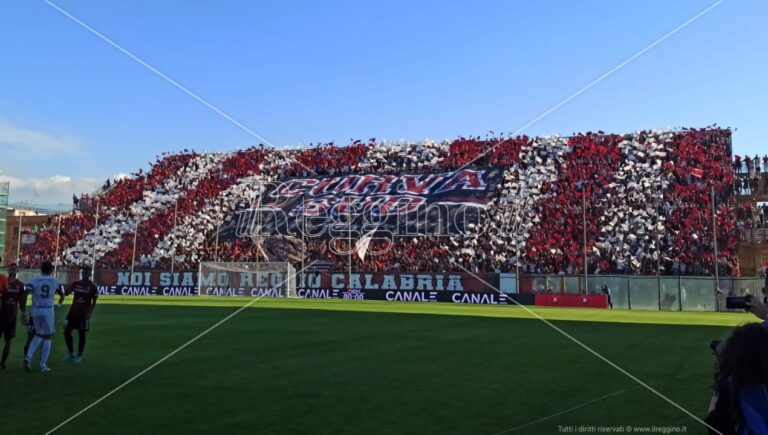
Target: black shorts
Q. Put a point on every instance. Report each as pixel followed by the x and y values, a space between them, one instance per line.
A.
pixel 31 327
pixel 8 329
pixel 79 323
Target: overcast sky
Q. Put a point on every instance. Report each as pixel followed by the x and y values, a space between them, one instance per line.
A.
pixel 75 110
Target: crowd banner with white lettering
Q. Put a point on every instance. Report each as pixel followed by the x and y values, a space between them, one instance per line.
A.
pixel 397 286
pixel 402 204
pixel 146 283
pixel 403 287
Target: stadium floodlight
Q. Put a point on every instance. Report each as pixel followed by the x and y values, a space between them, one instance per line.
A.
pixel 249 279
pixel 515 211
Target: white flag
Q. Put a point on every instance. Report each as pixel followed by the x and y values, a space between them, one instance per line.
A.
pixel 361 248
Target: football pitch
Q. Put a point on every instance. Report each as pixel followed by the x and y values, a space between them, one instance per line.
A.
pixel 315 367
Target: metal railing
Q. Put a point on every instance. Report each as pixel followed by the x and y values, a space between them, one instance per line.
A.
pixel 754 236
pixel 664 293
pixel 756 184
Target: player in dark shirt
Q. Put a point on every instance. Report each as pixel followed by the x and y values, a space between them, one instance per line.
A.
pixel 30 334
pixel 80 312
pixel 13 298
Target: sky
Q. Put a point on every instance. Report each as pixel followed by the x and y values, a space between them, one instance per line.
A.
pixel 75 110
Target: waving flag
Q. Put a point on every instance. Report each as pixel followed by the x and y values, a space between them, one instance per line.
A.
pixel 361 247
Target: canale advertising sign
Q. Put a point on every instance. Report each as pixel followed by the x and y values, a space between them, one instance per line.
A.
pixel 407 287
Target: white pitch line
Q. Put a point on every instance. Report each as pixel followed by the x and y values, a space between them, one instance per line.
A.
pixel 592 351
pixel 581 405
pixel 163 359
pixel 557 414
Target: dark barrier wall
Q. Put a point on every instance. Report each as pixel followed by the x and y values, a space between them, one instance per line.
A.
pixel 667 293
pixel 411 287
pixel 457 297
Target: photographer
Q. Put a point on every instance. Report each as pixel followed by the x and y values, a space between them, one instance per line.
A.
pixel 758 307
pixel 607 291
pixel 740 401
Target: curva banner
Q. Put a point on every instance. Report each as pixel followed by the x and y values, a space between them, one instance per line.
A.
pixel 350 206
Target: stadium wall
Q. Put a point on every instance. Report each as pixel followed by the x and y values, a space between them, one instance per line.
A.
pixel 681 293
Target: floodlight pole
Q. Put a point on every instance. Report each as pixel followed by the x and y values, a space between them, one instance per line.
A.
pixel 303 235
pixel 133 255
pixel 173 248
pixel 199 277
pixel 349 247
pixel 95 229
pixel 584 228
pixel 714 246
pixel 58 236
pixel 216 247
pixel 259 222
pixel 517 248
pixel 18 242
pixel 258 228
pixel 658 240
pixel 218 229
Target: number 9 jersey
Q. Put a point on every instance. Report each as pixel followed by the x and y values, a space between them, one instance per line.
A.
pixel 43 289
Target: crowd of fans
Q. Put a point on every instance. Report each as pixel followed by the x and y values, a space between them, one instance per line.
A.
pixel 645 199
pixel 753 217
pixel 749 165
pixel 115 199
pixel 752 175
pixel 751 179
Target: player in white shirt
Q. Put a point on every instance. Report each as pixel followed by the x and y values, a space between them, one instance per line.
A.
pixel 43 289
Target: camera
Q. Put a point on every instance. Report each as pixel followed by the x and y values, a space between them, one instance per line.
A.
pixel 738 302
pixel 731 303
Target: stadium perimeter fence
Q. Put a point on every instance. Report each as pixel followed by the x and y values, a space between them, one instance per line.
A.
pixel 632 292
pixel 665 293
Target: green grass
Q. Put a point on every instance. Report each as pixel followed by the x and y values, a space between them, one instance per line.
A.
pixel 372 367
pixel 504 311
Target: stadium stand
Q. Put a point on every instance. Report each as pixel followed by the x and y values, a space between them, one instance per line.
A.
pixel 645 194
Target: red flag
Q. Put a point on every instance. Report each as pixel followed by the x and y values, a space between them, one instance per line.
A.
pixel 696 172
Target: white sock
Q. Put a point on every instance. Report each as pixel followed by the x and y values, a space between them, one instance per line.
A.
pixel 33 347
pixel 46 353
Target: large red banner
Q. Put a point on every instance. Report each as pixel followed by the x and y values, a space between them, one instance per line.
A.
pixel 572 300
